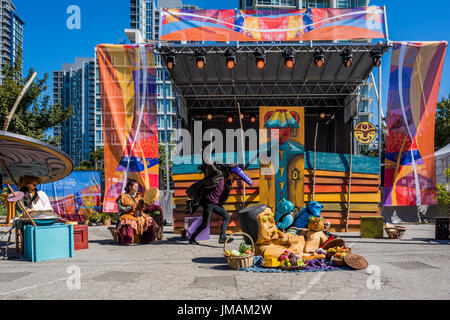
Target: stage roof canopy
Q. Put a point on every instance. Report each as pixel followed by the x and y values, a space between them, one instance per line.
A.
pixel 217 87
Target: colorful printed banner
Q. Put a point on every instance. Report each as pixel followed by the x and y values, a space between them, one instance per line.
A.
pixel 273 25
pixel 129 117
pixel 410 175
pixel 76 194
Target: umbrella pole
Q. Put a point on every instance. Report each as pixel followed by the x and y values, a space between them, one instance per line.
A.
pixel 23 207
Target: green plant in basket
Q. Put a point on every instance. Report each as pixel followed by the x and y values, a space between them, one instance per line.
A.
pixel 245 249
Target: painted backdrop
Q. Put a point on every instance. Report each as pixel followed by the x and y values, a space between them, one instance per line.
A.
pixel 288 181
pixel 129 117
pixel 273 25
pixel 410 174
pixel 76 194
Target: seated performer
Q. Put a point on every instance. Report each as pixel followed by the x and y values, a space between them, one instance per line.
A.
pixel 132 221
pixel 34 200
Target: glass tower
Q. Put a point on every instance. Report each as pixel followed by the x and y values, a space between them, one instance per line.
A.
pixel 11 39
pixel 75 86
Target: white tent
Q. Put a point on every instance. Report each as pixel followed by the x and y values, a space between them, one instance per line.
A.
pixel 442 163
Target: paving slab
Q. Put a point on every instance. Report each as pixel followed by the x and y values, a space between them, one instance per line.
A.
pixel 415 267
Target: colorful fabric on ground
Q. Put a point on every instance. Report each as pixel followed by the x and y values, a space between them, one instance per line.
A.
pixel 129 117
pixel 273 25
pixel 75 194
pixel 410 175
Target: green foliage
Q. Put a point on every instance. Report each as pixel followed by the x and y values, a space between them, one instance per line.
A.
pixel 443 194
pixel 442 136
pixel 35 113
pixel 96 157
pixel 162 166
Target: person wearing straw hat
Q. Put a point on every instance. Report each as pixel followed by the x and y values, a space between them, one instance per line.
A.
pixel 33 199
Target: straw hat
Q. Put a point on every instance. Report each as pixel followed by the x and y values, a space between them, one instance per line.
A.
pixel 24 180
pixel 151 196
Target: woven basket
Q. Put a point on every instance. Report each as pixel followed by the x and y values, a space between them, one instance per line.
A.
pixel 242 261
pixel 339 263
pixel 396 232
pixel 331 254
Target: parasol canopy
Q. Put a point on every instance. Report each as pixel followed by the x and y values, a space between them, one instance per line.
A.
pixel 26 156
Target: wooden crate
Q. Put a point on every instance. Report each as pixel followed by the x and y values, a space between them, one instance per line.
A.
pixel 81 237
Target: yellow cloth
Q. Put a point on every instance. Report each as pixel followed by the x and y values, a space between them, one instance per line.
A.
pixel 140 222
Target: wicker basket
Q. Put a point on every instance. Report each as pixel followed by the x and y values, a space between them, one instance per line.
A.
pixel 331 254
pixel 396 232
pixel 242 261
pixel 339 263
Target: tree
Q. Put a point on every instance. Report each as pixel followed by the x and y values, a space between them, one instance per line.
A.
pixel 442 131
pixel 95 162
pixel 162 167
pixel 443 194
pixel 35 114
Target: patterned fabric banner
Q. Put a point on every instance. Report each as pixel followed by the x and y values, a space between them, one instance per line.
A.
pixel 410 174
pixel 129 117
pixel 75 194
pixel 273 25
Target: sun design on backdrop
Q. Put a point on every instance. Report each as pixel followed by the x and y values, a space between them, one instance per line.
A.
pixel 365 132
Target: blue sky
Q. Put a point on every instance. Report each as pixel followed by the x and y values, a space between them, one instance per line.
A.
pixel 49 43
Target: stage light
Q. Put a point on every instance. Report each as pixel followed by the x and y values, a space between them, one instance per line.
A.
pixel 252 118
pixel 322 116
pixel 319 57
pixel 347 57
pixel 209 116
pixel 200 58
pixel 170 60
pixel 242 116
pixel 289 55
pixel 230 119
pixel 260 56
pixel 230 56
pixel 376 56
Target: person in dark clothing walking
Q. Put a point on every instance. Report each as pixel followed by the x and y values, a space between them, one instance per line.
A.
pixel 212 192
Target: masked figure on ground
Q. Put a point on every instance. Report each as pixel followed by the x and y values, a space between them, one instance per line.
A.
pixel 133 222
pixel 273 242
pixel 212 193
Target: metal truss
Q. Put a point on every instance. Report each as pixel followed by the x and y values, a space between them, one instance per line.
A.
pixel 249 48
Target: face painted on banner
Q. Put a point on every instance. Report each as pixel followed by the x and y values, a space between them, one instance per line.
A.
pixel 365 132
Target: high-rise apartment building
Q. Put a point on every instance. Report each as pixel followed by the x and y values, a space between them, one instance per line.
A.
pixel 75 86
pixel 11 33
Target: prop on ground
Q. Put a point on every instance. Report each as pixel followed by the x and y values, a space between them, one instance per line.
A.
pixel 299 249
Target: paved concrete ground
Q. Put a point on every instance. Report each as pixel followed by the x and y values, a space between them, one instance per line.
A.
pixel 415 267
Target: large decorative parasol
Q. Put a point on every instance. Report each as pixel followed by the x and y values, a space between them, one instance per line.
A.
pixel 26 156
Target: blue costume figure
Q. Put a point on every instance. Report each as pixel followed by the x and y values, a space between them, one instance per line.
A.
pixel 301 220
pixel 308 20
pixel 284 217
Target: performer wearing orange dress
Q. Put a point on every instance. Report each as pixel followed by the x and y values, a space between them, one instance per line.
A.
pixel 133 222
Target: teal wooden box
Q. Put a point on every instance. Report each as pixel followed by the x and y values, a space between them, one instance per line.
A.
pixel 46 243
